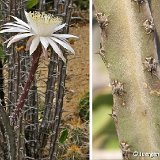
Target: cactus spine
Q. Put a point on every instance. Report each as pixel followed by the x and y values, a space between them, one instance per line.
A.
pixel 130 32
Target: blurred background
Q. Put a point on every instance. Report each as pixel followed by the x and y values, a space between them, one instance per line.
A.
pixel 105 141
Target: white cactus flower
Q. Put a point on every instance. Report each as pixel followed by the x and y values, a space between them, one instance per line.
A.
pixel 41 28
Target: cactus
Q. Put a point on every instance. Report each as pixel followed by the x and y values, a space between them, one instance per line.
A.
pixel 130 46
pixel 34 134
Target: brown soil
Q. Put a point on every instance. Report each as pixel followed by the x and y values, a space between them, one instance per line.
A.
pixel 77 85
pixel 77 82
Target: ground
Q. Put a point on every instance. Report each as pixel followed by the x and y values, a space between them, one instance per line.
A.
pixel 77 82
pixel 77 86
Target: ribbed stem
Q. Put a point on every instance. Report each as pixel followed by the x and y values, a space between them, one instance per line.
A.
pixel 21 100
pixel 130 47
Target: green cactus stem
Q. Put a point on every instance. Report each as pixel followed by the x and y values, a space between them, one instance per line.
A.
pixel 131 47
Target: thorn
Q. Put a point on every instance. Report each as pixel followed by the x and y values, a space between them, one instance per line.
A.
pixel 102 20
pixel 125 150
pixel 114 115
pixel 149 26
pixel 139 3
pixel 117 88
pixel 151 65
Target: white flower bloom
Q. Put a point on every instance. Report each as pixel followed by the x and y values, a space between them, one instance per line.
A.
pixel 42 28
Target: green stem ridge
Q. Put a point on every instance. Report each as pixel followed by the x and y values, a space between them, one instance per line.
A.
pixel 127 45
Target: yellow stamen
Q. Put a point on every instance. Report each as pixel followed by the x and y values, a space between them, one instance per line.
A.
pixel 45 18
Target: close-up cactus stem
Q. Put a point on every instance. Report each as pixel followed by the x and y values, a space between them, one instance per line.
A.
pixel 134 72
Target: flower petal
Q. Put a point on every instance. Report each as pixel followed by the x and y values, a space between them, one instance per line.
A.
pixel 64 36
pixel 45 53
pixel 29 43
pixel 56 49
pixel 19 21
pixel 59 27
pixel 15 25
pixel 18 37
pixel 26 14
pixel 14 30
pixel 44 42
pixel 8 39
pixel 34 44
pixel 33 23
pixel 63 44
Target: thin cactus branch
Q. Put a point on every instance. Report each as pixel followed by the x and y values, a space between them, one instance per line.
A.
pixel 50 95
pixel 9 134
pixel 35 60
pixel 58 110
pixel 5 145
pixel 20 139
pixel 31 130
pixel 2 84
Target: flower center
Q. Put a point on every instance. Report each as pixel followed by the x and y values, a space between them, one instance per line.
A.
pixel 43 24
